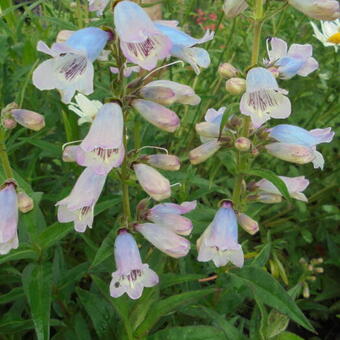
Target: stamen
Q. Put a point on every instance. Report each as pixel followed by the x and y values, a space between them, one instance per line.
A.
pixel 143 49
pixel 83 212
pixel 260 100
pixel 105 154
pixel 159 68
pixel 70 143
pixel 73 67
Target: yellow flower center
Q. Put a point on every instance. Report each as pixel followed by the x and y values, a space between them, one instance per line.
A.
pixel 335 38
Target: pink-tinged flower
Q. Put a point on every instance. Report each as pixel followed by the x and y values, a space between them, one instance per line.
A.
pixel 152 182
pixel 140 40
pixel 173 208
pixel 29 119
pixel 318 9
pixel 98 6
pixel 167 92
pixel 164 162
pixel 127 70
pixel 79 205
pixel 299 137
pixel 204 151
pixel 164 239
pixel 132 275
pixel 184 46
pixel 247 223
pixel 263 98
pixel 157 115
pixel 233 8
pixel 102 149
pixel 219 242
pixel 295 186
pixel 8 218
pixel 25 202
pixel 70 153
pixel 297 60
pixel 70 68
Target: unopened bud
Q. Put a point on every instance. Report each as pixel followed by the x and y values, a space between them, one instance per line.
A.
pixel 142 206
pixel 70 153
pixel 269 198
pixel 317 261
pixel 63 35
pixel 207 129
pixel 255 151
pixel 305 292
pixel 311 278
pixel 164 162
pixel 247 223
pixel 25 203
pixel 204 151
pixel 227 70
pixel 235 86
pixel 319 270
pixel 310 267
pixel 9 123
pixel 242 144
pixel 234 122
pixel 302 260
pixel 29 119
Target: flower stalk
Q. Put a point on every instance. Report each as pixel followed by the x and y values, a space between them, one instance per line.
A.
pixel 4 156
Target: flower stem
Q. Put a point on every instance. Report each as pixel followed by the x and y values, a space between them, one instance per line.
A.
pixel 4 156
pixel 125 186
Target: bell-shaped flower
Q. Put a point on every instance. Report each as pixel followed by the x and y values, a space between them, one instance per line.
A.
pixel 164 162
pixel 164 239
pixel 204 151
pixel 219 242
pixel 102 149
pixel 140 40
pixel 168 215
pixel 318 9
pixel 247 223
pixel 78 206
pixel 233 8
pixel 297 60
pixel 98 6
pixel 70 68
pixel 295 186
pixel 8 218
pixel 184 46
pixel 295 135
pixel 263 98
pixel 131 275
pixel 29 119
pixel 157 115
pixel 167 92
pixel 152 182
pixel 128 70
pixel 329 34
pixel 85 108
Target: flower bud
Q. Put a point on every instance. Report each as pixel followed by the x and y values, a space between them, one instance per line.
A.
pixel 204 151
pixel 242 144
pixel 247 223
pixel 294 153
pixel 305 292
pixel 227 70
pixel 255 151
pixel 207 129
pixel 70 153
pixel 63 35
pixel 269 198
pixel 29 119
pixel 318 270
pixel 25 203
pixel 233 8
pixel 9 123
pixel 234 122
pixel 164 162
pixel 235 86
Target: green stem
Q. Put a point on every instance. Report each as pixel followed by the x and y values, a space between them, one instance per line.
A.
pixel 4 156
pixel 125 186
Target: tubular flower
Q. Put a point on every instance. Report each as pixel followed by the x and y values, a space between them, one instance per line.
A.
pixel 318 9
pixel 140 40
pixel 152 182
pixel 204 151
pixel 263 98
pixel 184 46
pixel 297 60
pixel 8 218
pixel 164 239
pixel 132 275
pixel 167 92
pixel 300 138
pixel 295 186
pixel 102 149
pixel 98 6
pixel 70 68
pixel 168 215
pixel 329 34
pixel 219 242
pixel 79 205
pixel 233 8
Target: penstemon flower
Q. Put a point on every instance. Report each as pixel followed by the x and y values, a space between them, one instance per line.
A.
pixel 78 206
pixel 132 275
pixel 204 151
pixel 233 8
pixel 142 43
pixel 70 68
pixel 98 6
pixel 297 60
pixel 219 242
pixel 29 119
pixel 263 98
pixel 247 223
pixel 329 34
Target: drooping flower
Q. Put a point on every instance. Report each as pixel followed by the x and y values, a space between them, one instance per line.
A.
pixel 184 46
pixel 297 60
pixel 204 151
pixel 128 70
pixel 131 275
pixel 219 242
pixel 140 40
pixel 102 148
pixel 295 135
pixel 152 182
pixel 263 98
pixel 85 108
pixel 329 34
pixel 8 218
pixel 233 8
pixel 70 68
pixel 167 92
pixel 318 9
pixel 98 6
pixel 295 186
pixel 78 206
pixel 29 119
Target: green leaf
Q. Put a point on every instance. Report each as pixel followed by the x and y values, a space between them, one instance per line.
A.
pixel 52 234
pixel 270 292
pixel 273 178
pixel 262 257
pixel 161 308
pixel 13 295
pixel 14 326
pixel 19 254
pixel 168 280
pixel 37 282
pixel 287 336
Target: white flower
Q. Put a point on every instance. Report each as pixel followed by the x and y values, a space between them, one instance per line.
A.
pixel 329 34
